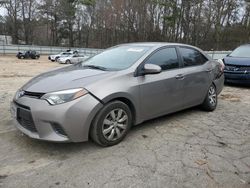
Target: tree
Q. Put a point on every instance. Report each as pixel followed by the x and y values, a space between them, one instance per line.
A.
pixel 209 24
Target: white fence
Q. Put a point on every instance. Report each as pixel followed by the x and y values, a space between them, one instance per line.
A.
pixel 46 50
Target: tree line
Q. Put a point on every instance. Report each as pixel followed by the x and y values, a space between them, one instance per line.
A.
pixel 209 24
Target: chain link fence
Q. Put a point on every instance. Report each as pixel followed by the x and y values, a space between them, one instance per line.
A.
pixel 218 54
pixel 45 50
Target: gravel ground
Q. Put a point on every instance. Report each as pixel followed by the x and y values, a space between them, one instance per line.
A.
pixel 191 148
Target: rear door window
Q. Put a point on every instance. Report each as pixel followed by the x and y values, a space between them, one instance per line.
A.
pixel 192 57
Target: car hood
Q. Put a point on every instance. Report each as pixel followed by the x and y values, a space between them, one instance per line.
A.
pixel 65 78
pixel 237 61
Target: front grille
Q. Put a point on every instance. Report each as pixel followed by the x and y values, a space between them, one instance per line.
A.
pixel 33 94
pixel 25 119
pixel 244 68
pixel 237 68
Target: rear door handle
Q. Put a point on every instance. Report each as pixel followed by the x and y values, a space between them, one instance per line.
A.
pixel 180 77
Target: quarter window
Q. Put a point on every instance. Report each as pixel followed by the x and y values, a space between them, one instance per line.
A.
pixel 166 58
pixel 192 57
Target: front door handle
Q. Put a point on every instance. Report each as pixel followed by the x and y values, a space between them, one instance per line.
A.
pixel 180 77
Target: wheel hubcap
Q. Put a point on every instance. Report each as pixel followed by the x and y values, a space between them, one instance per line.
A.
pixel 212 96
pixel 115 124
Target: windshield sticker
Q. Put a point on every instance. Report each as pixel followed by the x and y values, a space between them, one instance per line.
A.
pixel 135 50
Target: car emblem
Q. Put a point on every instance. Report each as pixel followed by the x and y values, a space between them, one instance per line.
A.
pixel 236 69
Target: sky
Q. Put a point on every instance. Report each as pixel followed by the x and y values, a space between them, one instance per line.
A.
pixel 2 11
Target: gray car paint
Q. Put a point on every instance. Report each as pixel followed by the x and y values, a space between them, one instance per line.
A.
pixel 149 96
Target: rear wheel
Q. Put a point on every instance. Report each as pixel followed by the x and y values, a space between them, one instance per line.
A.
pixel 210 102
pixel 68 62
pixel 112 124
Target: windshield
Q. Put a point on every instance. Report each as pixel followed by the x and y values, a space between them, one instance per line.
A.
pixel 242 51
pixel 117 58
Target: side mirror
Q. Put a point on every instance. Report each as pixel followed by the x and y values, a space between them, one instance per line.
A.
pixel 151 69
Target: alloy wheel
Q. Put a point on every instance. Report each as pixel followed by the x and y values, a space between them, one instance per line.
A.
pixel 212 96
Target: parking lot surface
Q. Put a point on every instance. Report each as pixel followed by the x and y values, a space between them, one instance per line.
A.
pixel 191 148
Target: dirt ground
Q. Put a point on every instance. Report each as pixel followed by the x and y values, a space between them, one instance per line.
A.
pixel 191 148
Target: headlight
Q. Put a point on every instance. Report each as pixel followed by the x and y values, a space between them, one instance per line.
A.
pixel 19 94
pixel 64 96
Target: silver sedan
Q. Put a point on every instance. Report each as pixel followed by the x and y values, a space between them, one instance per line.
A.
pixel 72 59
pixel 108 93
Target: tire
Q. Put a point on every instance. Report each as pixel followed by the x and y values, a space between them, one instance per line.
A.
pixel 107 121
pixel 211 100
pixel 68 62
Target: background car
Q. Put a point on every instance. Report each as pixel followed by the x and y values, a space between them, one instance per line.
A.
pixel 28 55
pixel 62 54
pixel 237 65
pixel 120 87
pixel 72 59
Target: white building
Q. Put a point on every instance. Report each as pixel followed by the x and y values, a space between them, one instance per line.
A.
pixel 5 39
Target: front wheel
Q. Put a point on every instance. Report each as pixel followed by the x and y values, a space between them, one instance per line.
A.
pixel 210 102
pixel 112 124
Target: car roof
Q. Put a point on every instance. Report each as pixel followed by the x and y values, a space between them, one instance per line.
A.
pixel 162 44
pixel 156 44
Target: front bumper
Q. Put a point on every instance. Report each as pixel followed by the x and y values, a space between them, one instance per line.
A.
pixel 237 77
pixel 73 119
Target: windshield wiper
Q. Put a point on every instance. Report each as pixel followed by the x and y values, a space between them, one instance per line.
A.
pixel 95 67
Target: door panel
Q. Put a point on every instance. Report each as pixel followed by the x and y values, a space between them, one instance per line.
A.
pixel 160 94
pixel 195 85
pixel 74 60
pixel 196 70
